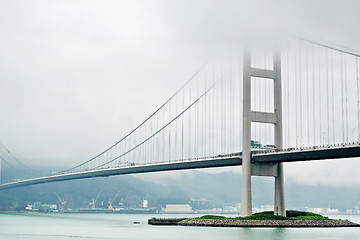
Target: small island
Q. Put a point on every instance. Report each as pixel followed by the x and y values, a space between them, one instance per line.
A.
pixel 293 219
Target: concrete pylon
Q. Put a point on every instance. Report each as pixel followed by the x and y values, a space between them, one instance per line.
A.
pixel 248 168
pixel 279 201
pixel 246 202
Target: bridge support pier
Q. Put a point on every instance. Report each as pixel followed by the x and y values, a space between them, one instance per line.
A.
pixel 279 201
pixel 246 201
pixel 248 168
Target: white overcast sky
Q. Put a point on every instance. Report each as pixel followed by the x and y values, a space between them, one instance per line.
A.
pixel 75 76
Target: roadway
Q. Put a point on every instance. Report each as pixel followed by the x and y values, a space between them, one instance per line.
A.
pixel 287 155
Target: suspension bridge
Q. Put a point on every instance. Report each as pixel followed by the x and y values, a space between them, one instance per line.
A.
pixel 299 102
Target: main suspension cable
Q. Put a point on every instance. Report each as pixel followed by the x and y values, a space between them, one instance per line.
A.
pixel 161 129
pixel 142 123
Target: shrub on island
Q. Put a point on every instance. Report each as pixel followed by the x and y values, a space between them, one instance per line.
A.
pixel 269 215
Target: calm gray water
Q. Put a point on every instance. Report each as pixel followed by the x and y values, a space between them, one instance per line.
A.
pixel 102 226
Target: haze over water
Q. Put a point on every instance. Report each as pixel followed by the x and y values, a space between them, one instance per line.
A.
pixel 118 226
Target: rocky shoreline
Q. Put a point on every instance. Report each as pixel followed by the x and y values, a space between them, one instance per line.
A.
pixel 253 223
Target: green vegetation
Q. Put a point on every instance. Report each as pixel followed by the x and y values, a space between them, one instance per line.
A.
pixel 263 216
pixel 304 215
pixel 290 215
pixel 212 217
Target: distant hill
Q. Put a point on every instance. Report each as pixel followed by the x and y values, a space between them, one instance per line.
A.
pixel 79 193
pixel 223 188
pixel 219 189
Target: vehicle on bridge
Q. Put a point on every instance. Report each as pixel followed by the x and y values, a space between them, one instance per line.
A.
pixel 256 146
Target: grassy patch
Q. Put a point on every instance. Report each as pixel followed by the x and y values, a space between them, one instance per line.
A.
pixel 212 217
pixel 269 215
pixel 304 215
pixel 259 216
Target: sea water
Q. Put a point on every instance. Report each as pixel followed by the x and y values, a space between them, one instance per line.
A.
pixel 127 226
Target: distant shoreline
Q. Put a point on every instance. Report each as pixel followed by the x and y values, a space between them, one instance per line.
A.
pixel 12 211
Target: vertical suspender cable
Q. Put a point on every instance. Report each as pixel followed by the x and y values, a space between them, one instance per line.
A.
pixel 221 112
pixel 346 101
pixel 214 135
pixel 209 152
pixel 307 99
pixel 196 132
pixel 262 103
pixel 327 98
pixel 182 127
pixel 133 152
pixel 206 121
pixel 270 108
pixel 300 94
pixel 320 121
pixel 357 90
pixel 253 104
pixel 224 105
pixel 332 95
pixel 231 144
pixel 157 139
pixel 128 156
pixel 288 95
pixel 203 120
pixel 201 117
pixel 170 130
pixel 342 97
pixel 115 154
pixel 233 94
pixel 138 158
pixel 145 147
pixel 189 128
pixel 313 98
pixel 208 117
pixel 296 103
pixel 110 156
pixel 266 103
pixel 259 107
pixel 163 135
pixel 136 153
pixel 176 131
pixel 224 111
pixel 240 100
pixel 218 114
pixel 125 148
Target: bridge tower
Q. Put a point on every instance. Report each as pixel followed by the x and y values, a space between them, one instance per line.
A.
pixel 251 169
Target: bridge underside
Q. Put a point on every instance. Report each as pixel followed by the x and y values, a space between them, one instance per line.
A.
pixel 309 154
pixel 334 152
pixel 181 165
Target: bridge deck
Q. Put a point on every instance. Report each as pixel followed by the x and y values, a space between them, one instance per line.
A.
pixel 294 155
pixel 156 167
pixel 309 154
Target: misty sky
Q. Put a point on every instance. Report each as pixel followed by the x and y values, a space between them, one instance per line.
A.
pixel 75 76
